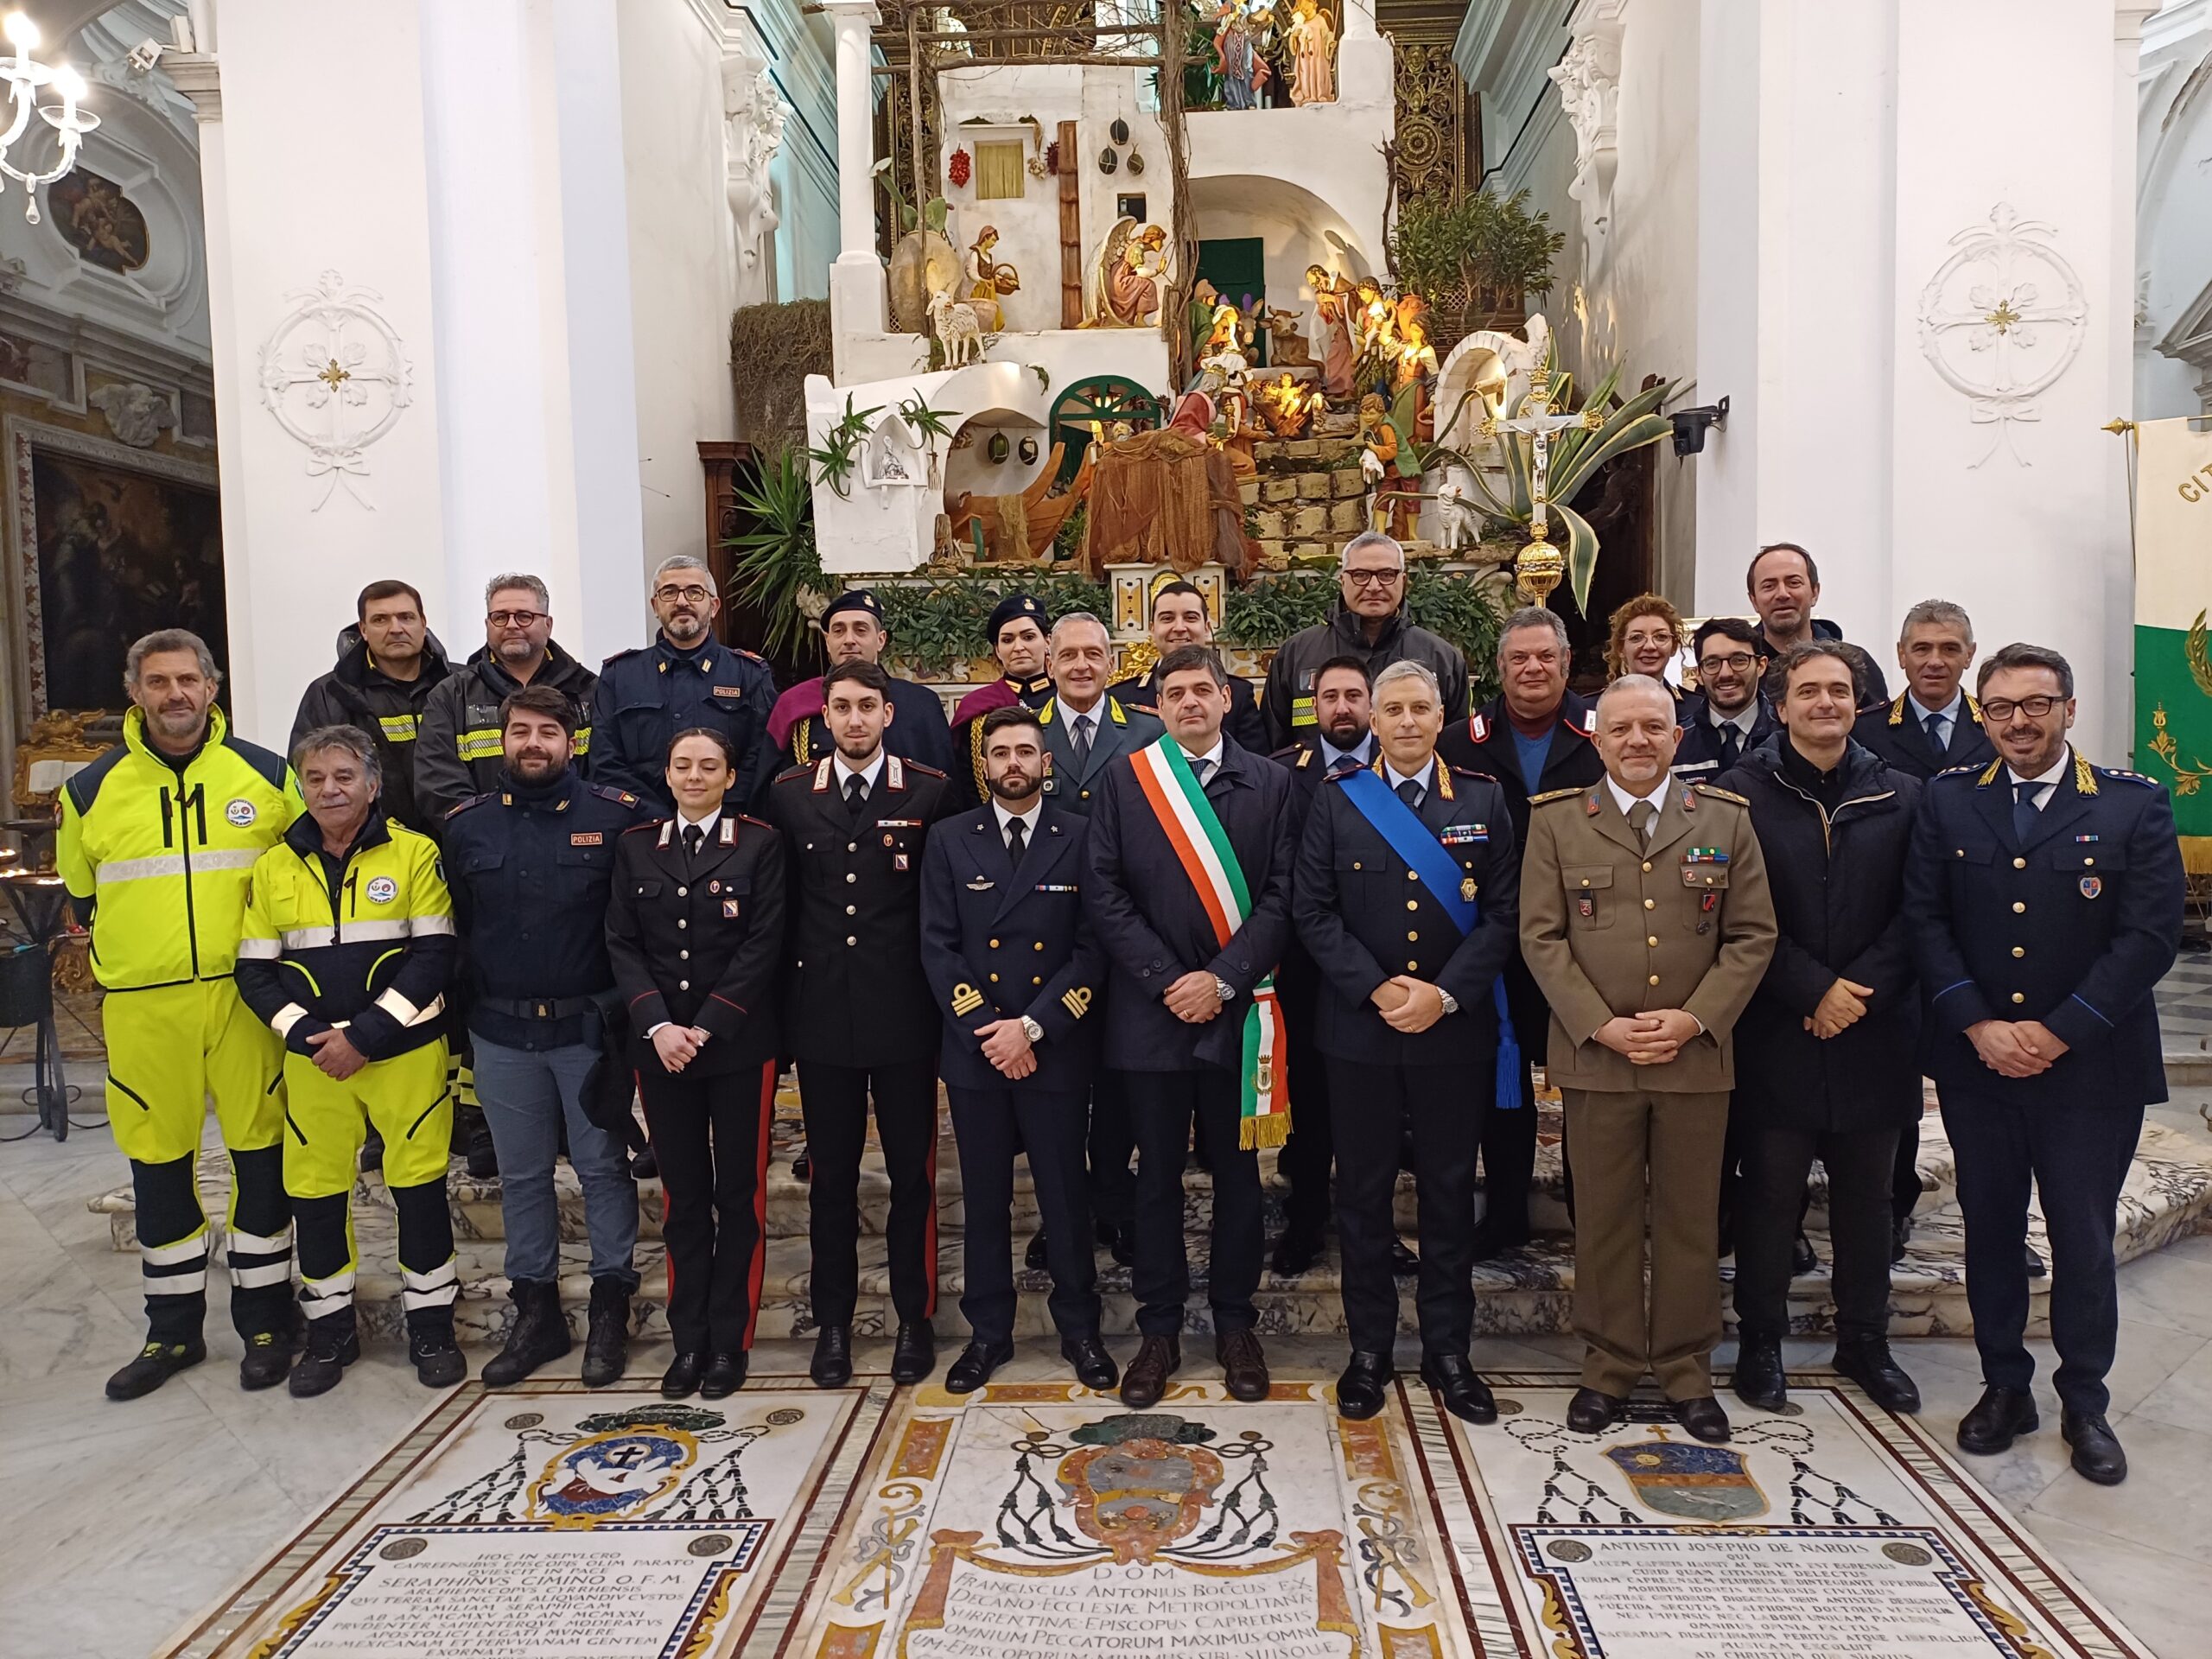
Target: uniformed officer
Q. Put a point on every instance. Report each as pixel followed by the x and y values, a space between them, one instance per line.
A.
pixel 158 838
pixel 1728 715
pixel 1016 631
pixel 1341 739
pixel 347 953
pixel 862 1020
pixel 460 753
pixel 1646 920
pixel 381 684
pixel 1931 726
pixel 1085 728
pixel 1191 1015
pixel 1017 972
pixel 1534 737
pixel 853 632
pixel 694 929
pixel 530 863
pixel 1179 619
pixel 2045 899
pixel 1406 897
pixel 685 678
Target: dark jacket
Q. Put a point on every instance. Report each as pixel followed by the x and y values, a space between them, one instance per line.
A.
pixel 1298 981
pixel 1365 918
pixel 356 693
pixel 967 730
pixel 458 756
pixel 645 696
pixel 1287 704
pixel 1838 903
pixel 999 943
pixel 531 867
pixel 917 731
pixel 1697 758
pixel 1871 687
pixel 1118 731
pixel 856 992
pixel 1140 695
pixel 1484 743
pixel 699 941
pixel 1893 731
pixel 2074 924
pixel 1154 926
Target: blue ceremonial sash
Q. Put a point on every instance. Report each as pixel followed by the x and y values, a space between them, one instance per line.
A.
pixel 1411 841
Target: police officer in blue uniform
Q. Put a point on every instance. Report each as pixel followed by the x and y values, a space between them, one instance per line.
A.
pixel 530 865
pixel 1407 891
pixel 1016 972
pixel 1728 715
pixel 2045 899
pixel 684 679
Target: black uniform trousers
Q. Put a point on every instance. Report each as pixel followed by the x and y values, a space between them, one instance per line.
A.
pixel 990 1126
pixel 1904 1172
pixel 1770 1198
pixel 1446 1114
pixel 833 1102
pixel 710 1137
pixel 168 1211
pixel 1164 1106
pixel 1304 1159
pixel 2076 1156
pixel 1111 1143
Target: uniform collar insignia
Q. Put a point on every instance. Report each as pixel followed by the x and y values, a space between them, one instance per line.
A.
pixel 667 833
pixel 822 777
pixel 1897 710
pixel 730 830
pixel 1594 808
pixel 1444 781
pixel 894 774
pixel 2085 778
pixel 1479 728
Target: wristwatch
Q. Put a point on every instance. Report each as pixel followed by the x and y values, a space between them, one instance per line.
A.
pixel 1450 1002
pixel 1223 989
pixel 1032 1030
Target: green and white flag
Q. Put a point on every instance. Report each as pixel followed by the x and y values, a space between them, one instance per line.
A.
pixel 2173 623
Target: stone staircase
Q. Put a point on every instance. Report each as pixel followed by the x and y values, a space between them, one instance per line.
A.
pixel 2168 1194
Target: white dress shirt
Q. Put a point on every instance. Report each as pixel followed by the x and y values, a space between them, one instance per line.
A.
pixel 1028 821
pixel 1627 801
pixel 2046 782
pixel 1425 777
pixel 1204 765
pixel 873 771
pixel 1950 713
pixel 1363 752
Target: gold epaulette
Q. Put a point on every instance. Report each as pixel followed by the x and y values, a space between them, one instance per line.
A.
pixel 1719 794
pixel 1555 795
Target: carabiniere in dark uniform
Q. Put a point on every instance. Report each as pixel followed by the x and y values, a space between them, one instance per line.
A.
pixel 860 1019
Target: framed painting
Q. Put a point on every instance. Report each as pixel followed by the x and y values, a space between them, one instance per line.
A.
pixel 95 217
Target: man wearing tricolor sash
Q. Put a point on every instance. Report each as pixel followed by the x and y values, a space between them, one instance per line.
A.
pixel 1190 856
pixel 1408 898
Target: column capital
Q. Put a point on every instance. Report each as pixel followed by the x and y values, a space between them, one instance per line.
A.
pixel 199 77
pixel 853 11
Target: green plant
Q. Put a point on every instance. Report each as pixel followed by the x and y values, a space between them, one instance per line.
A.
pixel 1271 608
pixel 938 624
pixel 1441 249
pixel 1458 606
pixel 833 460
pixel 930 422
pixel 778 561
pixel 1067 541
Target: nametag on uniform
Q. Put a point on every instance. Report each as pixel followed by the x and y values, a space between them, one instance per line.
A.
pixel 1457 835
pixel 1696 765
pixel 729 907
pixel 732 691
pixel 587 838
pixel 1057 886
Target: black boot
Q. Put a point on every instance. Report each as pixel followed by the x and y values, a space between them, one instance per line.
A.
pixel 430 1344
pixel 606 1343
pixel 267 1359
pixel 539 1334
pixel 1761 1382
pixel 483 1157
pixel 153 1365
pixel 334 1343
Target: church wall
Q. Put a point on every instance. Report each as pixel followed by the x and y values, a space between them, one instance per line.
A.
pixel 2173 261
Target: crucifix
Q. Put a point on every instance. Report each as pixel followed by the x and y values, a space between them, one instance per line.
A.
pixel 1540 566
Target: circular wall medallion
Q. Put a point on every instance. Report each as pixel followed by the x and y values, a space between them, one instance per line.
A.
pixel 713 1544
pixel 1566 1549
pixel 525 1419
pixel 401 1549
pixel 1907 1555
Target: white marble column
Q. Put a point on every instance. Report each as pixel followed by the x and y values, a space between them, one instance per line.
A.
pixel 1364 59
pixel 858 291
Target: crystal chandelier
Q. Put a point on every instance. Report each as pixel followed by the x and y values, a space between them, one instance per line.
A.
pixel 24 77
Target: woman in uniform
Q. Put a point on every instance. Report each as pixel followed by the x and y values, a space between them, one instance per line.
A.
pixel 694 927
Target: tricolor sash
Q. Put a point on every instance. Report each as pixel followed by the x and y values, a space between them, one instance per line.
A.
pixel 1193 830
pixel 1411 841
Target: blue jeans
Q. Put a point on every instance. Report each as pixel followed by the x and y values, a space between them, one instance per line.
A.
pixel 526 1095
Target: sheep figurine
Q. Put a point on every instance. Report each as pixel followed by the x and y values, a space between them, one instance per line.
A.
pixel 957 328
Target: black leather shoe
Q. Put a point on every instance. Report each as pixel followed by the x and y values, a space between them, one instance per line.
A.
pixel 2097 1455
pixel 607 1335
pixel 1703 1418
pixel 1361 1388
pixel 334 1343
pixel 644 1165
pixel 1404 1264
pixel 267 1360
pixel 2036 1268
pixel 974 1366
pixel 913 1352
pixel 832 1364
pixel 1094 1366
pixel 538 1335
pixel 1803 1258
pixel 1998 1418
pixel 1467 1396
pixel 1033 1257
pixel 725 1376
pixel 1873 1368
pixel 1296 1252
pixel 1900 1236
pixel 1592 1411
pixel 1243 1364
pixel 431 1346
pixel 681 1380
pixel 1760 1382
pixel 1158 1359
pixel 1492 1241
pixel 1125 1247
pixel 802 1165
pixel 155 1363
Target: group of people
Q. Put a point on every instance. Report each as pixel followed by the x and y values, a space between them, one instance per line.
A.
pixel 1735 927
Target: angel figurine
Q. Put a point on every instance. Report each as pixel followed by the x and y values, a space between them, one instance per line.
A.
pixel 1312 41
pixel 1124 285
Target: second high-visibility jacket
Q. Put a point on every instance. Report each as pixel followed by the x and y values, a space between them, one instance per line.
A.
pixel 365 942
pixel 159 853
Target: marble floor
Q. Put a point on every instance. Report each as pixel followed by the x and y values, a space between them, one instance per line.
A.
pixel 123 1520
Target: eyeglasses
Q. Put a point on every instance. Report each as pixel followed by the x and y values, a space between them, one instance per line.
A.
pixel 2001 709
pixel 513 618
pixel 1736 664
pixel 697 595
pixel 1372 578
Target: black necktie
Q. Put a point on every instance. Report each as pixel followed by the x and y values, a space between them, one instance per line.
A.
pixel 1409 792
pixel 1017 840
pixel 1936 743
pixel 2024 809
pixel 1732 739
pixel 695 836
pixel 856 791
pixel 1082 746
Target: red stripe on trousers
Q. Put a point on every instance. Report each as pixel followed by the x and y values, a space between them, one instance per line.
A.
pixel 759 1266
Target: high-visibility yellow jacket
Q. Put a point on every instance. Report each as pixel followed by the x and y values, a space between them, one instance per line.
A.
pixel 367 943
pixel 161 854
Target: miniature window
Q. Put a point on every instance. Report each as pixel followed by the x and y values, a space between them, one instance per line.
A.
pixel 998 171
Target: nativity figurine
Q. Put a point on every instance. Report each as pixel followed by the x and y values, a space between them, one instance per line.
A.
pixel 1312 42
pixel 1126 278
pixel 992 278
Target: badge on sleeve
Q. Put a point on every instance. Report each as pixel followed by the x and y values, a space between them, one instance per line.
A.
pixel 2091 886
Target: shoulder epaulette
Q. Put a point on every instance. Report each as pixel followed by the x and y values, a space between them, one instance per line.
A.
pixel 1304 755
pixel 2128 777
pixel 609 792
pixel 609 662
pixel 922 766
pixel 1957 771
pixel 1469 772
pixel 1555 795
pixel 474 800
pixel 272 767
pixel 647 826
pixel 739 650
pixel 1718 793
pixel 85 783
pixel 747 817
pixel 804 769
